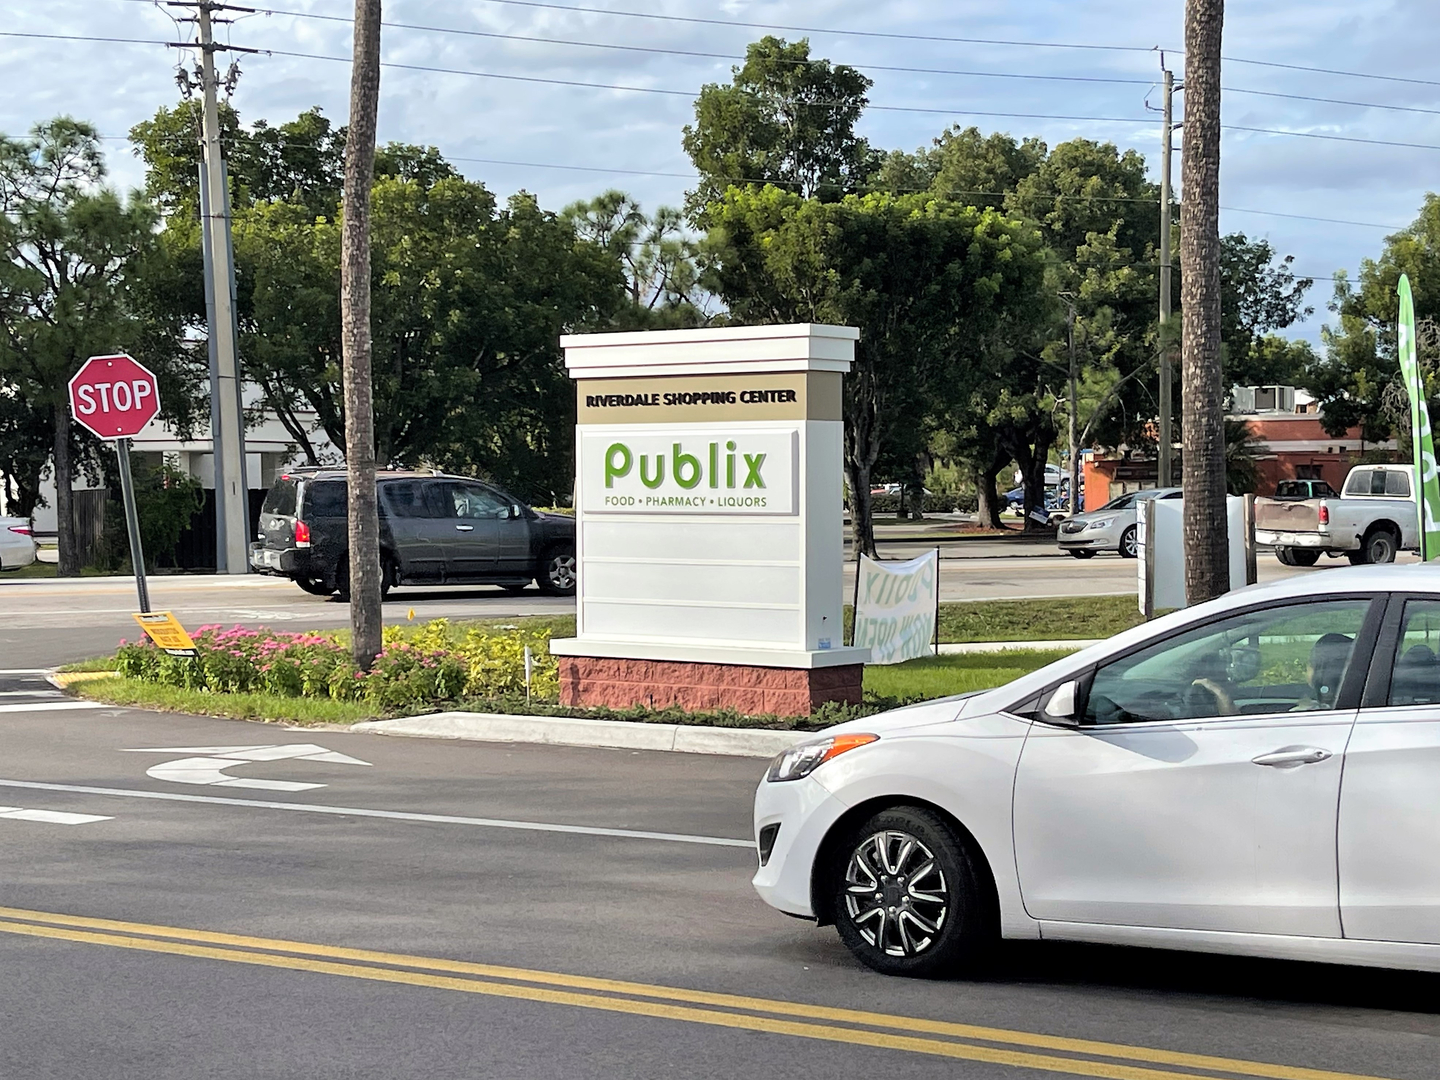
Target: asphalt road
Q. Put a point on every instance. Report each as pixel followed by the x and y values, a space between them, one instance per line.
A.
pixel 472 910
pixel 407 919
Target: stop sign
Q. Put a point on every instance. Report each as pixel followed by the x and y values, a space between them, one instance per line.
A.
pixel 114 396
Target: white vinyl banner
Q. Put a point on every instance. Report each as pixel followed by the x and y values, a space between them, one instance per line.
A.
pixel 895 607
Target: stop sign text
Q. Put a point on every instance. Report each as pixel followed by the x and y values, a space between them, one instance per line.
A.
pixel 114 396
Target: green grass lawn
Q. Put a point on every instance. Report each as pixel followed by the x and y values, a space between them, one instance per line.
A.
pixel 939 676
pixel 132 693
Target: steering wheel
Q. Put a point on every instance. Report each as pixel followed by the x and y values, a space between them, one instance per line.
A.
pixel 1200 700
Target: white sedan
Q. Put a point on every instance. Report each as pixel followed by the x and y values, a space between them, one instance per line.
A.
pixel 17 545
pixel 1257 775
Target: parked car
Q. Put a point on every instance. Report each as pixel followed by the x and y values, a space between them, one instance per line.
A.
pixel 1369 522
pixel 1304 489
pixel 1253 775
pixel 1113 527
pixel 17 543
pixel 434 529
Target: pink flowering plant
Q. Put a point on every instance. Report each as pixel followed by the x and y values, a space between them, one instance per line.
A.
pixel 416 666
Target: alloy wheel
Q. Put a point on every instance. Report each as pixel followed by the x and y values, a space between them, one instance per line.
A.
pixel 560 571
pixel 895 893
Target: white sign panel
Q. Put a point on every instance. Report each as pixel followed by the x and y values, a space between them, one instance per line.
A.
pixel 1161 526
pixel 895 607
pixel 698 469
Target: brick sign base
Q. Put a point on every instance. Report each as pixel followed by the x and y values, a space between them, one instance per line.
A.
pixel 619 684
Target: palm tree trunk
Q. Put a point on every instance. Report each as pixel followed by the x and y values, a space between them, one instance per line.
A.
pixel 364 558
pixel 1207 560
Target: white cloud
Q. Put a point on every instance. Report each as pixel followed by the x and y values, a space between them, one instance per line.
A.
pixel 117 85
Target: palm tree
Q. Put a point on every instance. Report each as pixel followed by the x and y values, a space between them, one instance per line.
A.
pixel 1207 561
pixel 363 568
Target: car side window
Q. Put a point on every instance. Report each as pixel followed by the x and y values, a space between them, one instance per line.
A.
pixel 1291 658
pixel 473 501
pixel 402 499
pixel 324 499
pixel 1415 678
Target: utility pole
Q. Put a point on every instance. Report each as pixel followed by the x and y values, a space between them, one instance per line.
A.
pixel 1166 436
pixel 1074 405
pixel 227 415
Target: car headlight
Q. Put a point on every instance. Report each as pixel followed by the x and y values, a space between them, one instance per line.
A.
pixel 800 761
pixel 1102 523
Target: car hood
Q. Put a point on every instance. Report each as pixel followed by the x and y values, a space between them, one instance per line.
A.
pixel 551 516
pixel 921 714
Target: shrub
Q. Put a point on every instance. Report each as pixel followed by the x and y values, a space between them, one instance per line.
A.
pixel 415 667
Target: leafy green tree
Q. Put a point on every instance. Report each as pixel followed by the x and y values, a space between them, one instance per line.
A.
pixel 1258 295
pixel 927 283
pixel 1350 381
pixel 71 252
pixel 784 119
pixel 963 165
pixel 658 258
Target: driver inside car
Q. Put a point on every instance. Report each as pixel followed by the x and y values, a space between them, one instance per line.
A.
pixel 1328 658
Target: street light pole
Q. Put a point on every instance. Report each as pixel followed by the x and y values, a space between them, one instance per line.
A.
pixel 1165 464
pixel 1074 420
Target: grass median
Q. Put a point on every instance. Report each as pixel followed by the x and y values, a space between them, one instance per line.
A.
pixel 885 687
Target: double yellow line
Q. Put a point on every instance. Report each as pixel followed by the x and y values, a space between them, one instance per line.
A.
pixel 967 1042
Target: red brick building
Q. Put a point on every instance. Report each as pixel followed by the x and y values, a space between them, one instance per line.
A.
pixel 1285 420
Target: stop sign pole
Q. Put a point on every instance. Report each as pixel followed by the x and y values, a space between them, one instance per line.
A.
pixel 114 397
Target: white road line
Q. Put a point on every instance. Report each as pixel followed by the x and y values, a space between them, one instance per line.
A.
pixel 50 817
pixel 391 815
pixel 52 706
pixel 24 670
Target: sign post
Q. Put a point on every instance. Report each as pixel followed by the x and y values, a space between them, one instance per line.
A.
pixel 114 397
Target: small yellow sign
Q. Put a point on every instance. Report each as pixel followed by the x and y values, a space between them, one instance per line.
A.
pixel 166 632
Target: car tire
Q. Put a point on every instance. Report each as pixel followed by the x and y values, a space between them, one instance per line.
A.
pixel 388 577
pixel 1079 554
pixel 313 586
pixel 1378 547
pixel 1130 543
pixel 1285 556
pixel 930 921
pixel 1303 557
pixel 557 574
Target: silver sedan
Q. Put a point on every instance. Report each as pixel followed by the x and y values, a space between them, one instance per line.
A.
pixel 1111 528
pixel 17 545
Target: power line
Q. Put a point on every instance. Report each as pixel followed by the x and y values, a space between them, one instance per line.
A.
pixel 691 94
pixel 876 108
pixel 935 37
pixel 656 50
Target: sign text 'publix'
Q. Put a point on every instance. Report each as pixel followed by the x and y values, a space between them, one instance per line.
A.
pixel 728 472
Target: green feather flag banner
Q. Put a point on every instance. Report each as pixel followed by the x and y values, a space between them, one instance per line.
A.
pixel 1427 479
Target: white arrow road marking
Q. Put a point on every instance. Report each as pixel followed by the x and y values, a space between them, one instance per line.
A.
pixel 210 768
pixel 52 817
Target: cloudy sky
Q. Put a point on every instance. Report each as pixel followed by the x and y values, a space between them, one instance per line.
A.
pixel 582 109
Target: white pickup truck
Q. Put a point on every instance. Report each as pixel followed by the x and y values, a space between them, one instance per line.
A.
pixel 1373 518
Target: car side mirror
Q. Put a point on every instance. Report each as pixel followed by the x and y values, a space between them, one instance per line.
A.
pixel 1062 705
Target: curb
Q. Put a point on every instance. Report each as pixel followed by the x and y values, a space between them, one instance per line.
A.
pixel 1074 644
pixel 578 731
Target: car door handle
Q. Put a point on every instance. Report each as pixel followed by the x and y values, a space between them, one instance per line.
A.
pixel 1290 756
pixel 465 528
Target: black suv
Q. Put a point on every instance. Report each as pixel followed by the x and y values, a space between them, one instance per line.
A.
pixel 434 530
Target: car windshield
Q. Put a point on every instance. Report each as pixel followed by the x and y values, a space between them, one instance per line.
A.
pixel 1119 504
